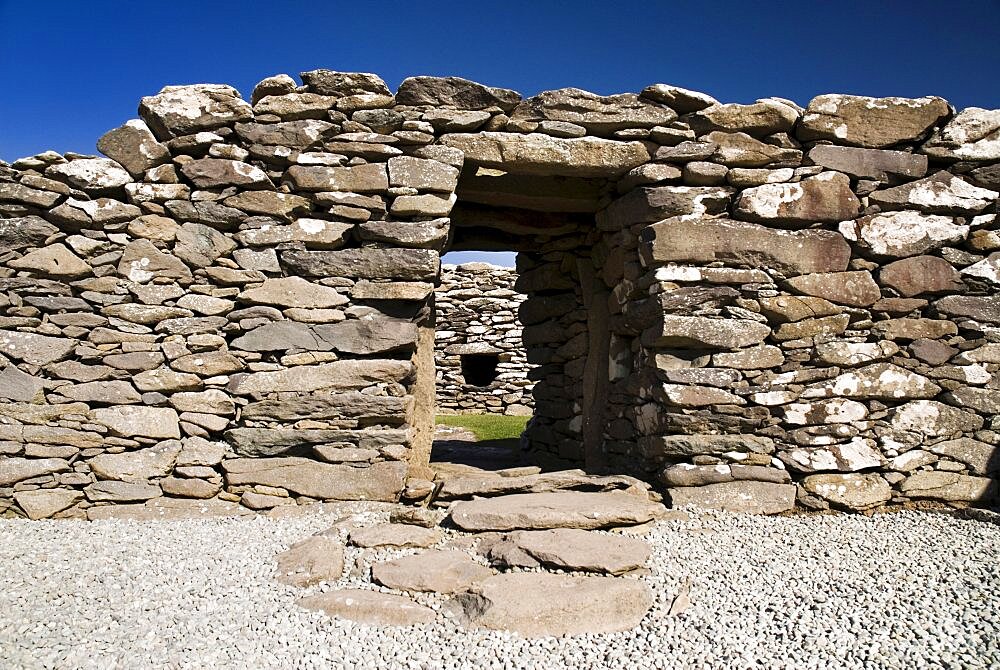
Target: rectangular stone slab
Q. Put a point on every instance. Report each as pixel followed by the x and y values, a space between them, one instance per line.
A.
pixel 561 509
pixel 256 442
pixel 707 240
pixel 401 264
pixel 302 476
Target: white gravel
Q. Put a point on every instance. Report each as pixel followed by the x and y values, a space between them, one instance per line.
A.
pixel 906 590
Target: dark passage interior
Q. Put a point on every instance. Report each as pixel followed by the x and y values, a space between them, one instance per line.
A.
pixel 480 369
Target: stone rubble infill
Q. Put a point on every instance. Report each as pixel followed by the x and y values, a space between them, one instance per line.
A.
pixel 885 591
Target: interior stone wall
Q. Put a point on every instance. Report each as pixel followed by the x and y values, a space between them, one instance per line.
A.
pixel 740 301
pixel 477 309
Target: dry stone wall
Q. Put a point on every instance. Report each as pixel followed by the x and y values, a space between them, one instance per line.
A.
pixel 482 366
pixel 756 305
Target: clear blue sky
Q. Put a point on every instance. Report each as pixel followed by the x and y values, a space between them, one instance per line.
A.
pixel 70 70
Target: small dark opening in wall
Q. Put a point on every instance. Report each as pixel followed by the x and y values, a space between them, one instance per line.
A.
pixel 480 369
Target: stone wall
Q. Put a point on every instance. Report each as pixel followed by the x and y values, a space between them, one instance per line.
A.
pixel 477 326
pixel 751 304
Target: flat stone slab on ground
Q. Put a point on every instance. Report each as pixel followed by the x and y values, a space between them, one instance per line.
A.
pixel 572 549
pixel 559 509
pixel 495 484
pixel 541 604
pixel 371 607
pixel 311 561
pixel 436 571
pixel 394 535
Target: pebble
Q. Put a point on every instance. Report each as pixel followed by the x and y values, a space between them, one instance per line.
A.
pixel 903 590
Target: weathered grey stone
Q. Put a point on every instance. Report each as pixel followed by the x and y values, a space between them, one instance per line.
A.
pixel 342 84
pixel 337 375
pixel 367 263
pixel 788 309
pixel 705 332
pixel 972 135
pixel 303 476
pixel 369 607
pixel 539 154
pixel 692 445
pixel 920 275
pixel 454 92
pixel 300 135
pixel 681 100
pixel 136 421
pixel 34 348
pixel 878 380
pixel 540 604
pixel 205 211
pixel 560 509
pixel 751 358
pixel 309 562
pixel 220 173
pixel 13 469
pixel 433 571
pixel 134 147
pixel 752 497
pixel 91 174
pixel 577 550
pixel 20 386
pixel 185 110
pixel 914 329
pixel 870 122
pixel 43 503
pixel 185 487
pixel 31 197
pixel 110 393
pixel 25 231
pixel 367 178
pixel 827 197
pixel 986 401
pixel 394 535
pixel 422 174
pixel 741 150
pixel 901 234
pixel 852 491
pixel 949 486
pixel 849 457
pixel 855 288
pixel 54 260
pixel 166 380
pixel 429 204
pixel 685 240
pixel 352 405
pixel 199 245
pixel 598 114
pixel 142 262
pixel 118 492
pixel 762 118
pixel 875 164
pixel 137 466
pixel 422 234
pixel 941 193
pixel 293 292
pixel 980 308
pixel 982 458
pixel 278 84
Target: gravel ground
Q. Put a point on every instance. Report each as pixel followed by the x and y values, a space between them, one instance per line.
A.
pixel 905 590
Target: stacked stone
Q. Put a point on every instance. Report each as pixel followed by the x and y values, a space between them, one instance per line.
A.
pixel 477 314
pixel 815 305
pixel 772 303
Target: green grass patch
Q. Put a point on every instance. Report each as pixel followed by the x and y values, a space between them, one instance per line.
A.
pixel 487 426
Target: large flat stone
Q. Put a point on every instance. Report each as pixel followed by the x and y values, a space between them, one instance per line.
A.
pixel 535 153
pixel 701 332
pixel 43 503
pixel 14 469
pixel 656 203
pixel 303 476
pixel 600 115
pixel 367 263
pixel 751 497
pixel 852 491
pixel 949 486
pixel 34 348
pixel 257 441
pixel 139 465
pixel 973 134
pixel 311 561
pixel 431 571
pixel 683 240
pixel 335 376
pixel 369 607
pixel 941 193
pixel 870 122
pixel 695 445
pixel 869 163
pixel 351 405
pixel 561 509
pixel 185 110
pixel 396 535
pixel 571 549
pixel 539 604
pixel 454 92
pixel 825 198
pixel 138 421
pixel 169 509
pixel 878 380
